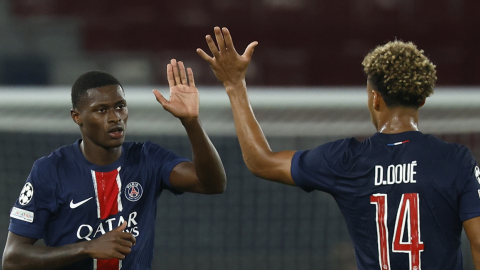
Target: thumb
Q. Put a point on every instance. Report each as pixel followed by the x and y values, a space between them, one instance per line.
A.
pixel 249 50
pixel 160 98
pixel 121 227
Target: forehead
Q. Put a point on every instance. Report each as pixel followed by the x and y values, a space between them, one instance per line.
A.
pixel 103 95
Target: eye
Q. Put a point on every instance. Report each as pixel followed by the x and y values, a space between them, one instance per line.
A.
pixel 121 106
pixel 101 110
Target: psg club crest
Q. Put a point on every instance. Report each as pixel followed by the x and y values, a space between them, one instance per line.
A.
pixel 133 191
pixel 26 195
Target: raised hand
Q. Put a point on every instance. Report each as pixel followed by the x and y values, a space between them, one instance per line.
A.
pixel 229 67
pixel 115 244
pixel 184 102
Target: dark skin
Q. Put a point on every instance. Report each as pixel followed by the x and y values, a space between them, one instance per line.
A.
pixel 102 117
pixel 231 67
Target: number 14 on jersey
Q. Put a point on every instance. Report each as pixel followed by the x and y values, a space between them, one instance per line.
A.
pixel 408 220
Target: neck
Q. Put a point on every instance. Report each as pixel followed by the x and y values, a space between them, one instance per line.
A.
pixel 99 155
pixel 398 120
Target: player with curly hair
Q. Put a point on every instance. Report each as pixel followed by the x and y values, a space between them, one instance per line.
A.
pixel 405 195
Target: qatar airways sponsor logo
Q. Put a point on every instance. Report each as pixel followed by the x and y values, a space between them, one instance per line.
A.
pixel 87 232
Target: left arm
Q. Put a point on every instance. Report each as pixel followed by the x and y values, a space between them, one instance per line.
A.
pixel 206 173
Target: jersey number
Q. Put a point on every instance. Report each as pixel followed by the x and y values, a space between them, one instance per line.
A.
pixel 408 220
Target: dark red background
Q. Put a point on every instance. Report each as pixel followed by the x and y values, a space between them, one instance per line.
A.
pixel 317 43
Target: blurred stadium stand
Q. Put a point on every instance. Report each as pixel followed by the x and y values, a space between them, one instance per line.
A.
pixel 303 42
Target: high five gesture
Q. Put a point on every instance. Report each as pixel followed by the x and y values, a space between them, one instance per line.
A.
pixel 229 67
pixel 184 102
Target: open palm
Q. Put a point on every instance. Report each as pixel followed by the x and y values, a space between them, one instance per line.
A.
pixel 184 102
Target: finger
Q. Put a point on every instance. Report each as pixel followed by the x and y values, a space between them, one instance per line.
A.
pixel 211 45
pixel 183 75
pixel 160 98
pixel 127 240
pixel 118 255
pixel 220 39
pixel 190 77
pixel 176 74
pixel 123 250
pixel 249 50
pixel 228 39
pixel 121 227
pixel 204 55
pixel 171 80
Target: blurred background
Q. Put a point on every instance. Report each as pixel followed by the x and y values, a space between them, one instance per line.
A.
pixel 306 85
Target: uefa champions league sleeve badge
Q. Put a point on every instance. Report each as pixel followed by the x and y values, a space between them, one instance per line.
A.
pixel 26 195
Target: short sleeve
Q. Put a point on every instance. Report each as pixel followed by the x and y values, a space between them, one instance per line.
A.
pixel 35 204
pixel 469 182
pixel 162 161
pixel 318 169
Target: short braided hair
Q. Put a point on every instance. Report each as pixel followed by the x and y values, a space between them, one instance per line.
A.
pixel 401 73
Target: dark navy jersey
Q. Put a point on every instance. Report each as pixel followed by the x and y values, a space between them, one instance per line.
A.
pixel 403 196
pixel 67 199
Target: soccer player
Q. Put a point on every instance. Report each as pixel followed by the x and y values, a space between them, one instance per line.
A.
pixel 94 202
pixel 404 195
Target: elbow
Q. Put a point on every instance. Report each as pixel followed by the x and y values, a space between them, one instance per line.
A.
pixel 218 188
pixel 7 260
pixel 475 246
pixel 257 169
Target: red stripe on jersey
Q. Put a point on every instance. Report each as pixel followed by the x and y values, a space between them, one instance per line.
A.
pixel 107 192
pixel 112 264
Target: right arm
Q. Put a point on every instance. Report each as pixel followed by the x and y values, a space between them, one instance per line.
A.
pixel 21 253
pixel 472 229
pixel 230 68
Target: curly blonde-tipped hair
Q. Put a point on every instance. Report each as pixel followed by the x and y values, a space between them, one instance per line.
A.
pixel 401 73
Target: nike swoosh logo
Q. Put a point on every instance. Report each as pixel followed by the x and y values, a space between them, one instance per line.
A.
pixel 75 205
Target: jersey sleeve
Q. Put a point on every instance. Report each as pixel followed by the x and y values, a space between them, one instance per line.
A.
pixel 35 204
pixel 162 161
pixel 318 169
pixel 469 186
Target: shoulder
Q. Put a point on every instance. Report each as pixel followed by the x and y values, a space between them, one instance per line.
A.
pixel 447 149
pixel 330 152
pixel 56 159
pixel 148 151
pixel 145 148
pixel 45 170
pixel 338 147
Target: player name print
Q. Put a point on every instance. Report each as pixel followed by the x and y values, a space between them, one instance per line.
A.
pixel 395 174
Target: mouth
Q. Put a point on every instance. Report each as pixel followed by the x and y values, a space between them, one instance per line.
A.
pixel 116 132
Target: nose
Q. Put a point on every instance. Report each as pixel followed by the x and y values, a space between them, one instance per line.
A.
pixel 114 116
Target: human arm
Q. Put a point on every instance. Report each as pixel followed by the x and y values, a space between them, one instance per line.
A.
pixel 21 253
pixel 472 229
pixel 230 68
pixel 206 173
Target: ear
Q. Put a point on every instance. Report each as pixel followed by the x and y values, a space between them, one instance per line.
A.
pixel 421 104
pixel 377 100
pixel 76 116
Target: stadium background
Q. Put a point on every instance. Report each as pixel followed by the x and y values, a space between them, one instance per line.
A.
pixel 306 85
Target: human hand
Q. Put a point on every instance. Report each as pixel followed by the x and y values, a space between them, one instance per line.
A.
pixel 184 101
pixel 115 244
pixel 229 67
